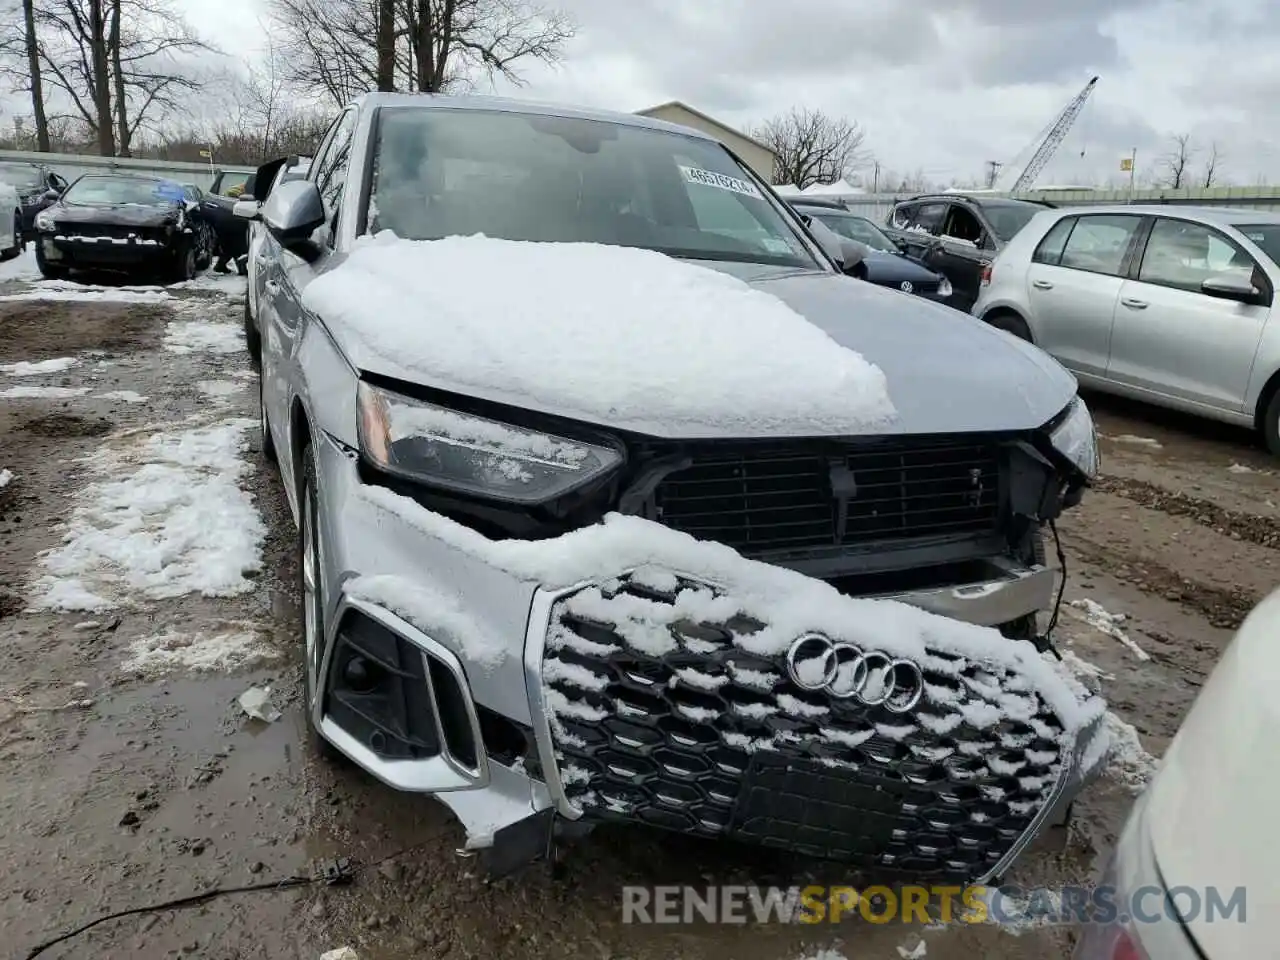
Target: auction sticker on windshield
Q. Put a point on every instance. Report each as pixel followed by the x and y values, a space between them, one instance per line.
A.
pixel 721 181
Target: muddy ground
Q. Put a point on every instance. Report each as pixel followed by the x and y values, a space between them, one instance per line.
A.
pixel 127 785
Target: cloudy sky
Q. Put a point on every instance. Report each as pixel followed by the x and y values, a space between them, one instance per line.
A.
pixel 939 85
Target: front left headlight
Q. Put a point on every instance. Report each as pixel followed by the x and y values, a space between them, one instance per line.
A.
pixel 1076 438
pixel 44 220
pixel 474 455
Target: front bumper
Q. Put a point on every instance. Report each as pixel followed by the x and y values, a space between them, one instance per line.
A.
pixel 74 250
pixel 696 733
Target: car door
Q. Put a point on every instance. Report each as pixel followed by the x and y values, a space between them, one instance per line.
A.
pixel 918 226
pixel 287 276
pixel 964 248
pixel 1174 340
pixel 1073 286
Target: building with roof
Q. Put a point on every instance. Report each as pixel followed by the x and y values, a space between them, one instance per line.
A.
pixel 758 156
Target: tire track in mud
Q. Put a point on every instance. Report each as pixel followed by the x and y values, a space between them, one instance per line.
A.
pixel 1236 524
pixel 1222 607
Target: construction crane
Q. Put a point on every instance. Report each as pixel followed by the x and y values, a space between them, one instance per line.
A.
pixel 1053 140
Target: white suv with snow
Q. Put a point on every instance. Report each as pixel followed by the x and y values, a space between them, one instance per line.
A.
pixel 618 501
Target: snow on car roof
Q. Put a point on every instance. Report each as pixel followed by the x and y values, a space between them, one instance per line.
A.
pixel 610 334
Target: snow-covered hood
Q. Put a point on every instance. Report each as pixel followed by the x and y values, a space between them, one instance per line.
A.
pixel 635 340
pixel 1211 809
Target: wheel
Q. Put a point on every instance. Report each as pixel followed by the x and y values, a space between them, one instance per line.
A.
pixel 264 425
pixel 253 339
pixel 1010 323
pixel 204 259
pixel 1271 424
pixel 18 244
pixel 311 588
pixel 184 267
pixel 50 271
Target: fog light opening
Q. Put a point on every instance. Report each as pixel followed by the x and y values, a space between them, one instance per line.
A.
pixel 361 675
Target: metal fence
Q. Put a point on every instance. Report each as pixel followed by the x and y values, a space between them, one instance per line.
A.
pixel 876 206
pixel 74 165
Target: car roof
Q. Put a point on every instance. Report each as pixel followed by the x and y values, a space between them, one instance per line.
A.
pixel 824 204
pixel 1212 215
pixel 980 200
pixel 475 102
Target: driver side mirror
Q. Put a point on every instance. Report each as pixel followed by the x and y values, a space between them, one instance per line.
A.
pixel 292 213
pixel 1231 286
pixel 53 193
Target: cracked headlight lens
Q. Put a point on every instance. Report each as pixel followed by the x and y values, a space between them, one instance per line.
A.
pixel 1076 438
pixel 44 220
pixel 474 455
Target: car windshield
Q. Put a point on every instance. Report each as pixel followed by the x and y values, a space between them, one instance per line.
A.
pixel 855 228
pixel 114 191
pixel 1264 235
pixel 1007 219
pixel 20 175
pixel 517 176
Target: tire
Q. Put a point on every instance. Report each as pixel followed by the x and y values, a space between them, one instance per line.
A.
pixel 1271 424
pixel 311 591
pixel 1010 323
pixel 18 244
pixel 264 425
pixel 50 271
pixel 204 258
pixel 184 267
pixel 252 338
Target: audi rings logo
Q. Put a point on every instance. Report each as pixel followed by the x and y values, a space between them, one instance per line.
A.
pixel 873 679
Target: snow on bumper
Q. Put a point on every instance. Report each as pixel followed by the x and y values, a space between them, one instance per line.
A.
pixel 650 671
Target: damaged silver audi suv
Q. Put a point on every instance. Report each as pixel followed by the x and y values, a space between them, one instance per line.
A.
pixel 618 501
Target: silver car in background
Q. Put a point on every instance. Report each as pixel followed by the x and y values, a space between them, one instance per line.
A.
pixel 1166 304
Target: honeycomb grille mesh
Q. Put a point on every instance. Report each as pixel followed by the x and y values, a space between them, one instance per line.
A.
pixel 664 718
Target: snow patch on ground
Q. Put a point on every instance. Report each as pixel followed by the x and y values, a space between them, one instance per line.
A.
pixel 219 388
pixel 1126 759
pixel 125 396
pixel 598 332
pixel 196 336
pixel 167 517
pixel 220 282
pixel 31 368
pixel 6 477
pixel 787 603
pixel 218 652
pixel 1139 441
pixel 1094 614
pixel 64 290
pixel 21 268
pixel 42 393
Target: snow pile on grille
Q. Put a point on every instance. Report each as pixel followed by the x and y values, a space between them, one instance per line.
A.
pixel 599 333
pixel 786 604
pixel 166 517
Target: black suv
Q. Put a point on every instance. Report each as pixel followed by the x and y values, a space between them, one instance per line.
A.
pixel 958 235
pixel 37 187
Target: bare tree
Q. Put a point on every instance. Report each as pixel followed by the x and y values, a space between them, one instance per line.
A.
pixel 812 147
pixel 1212 166
pixel 338 49
pixel 31 44
pixel 116 62
pixel 1176 162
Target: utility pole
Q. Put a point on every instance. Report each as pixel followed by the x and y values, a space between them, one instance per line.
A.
pixel 1133 170
pixel 993 170
pixel 875 176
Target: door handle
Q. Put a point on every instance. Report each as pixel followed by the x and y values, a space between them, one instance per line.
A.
pixel 1133 304
pixel 272 287
pixel 1042 284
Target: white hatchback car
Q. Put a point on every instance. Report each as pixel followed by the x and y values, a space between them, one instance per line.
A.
pixel 1167 304
pixel 10 222
pixel 1193 875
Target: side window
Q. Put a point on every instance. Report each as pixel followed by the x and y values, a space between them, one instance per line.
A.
pixel 1051 247
pixel 962 226
pixel 929 217
pixel 333 173
pixel 1184 255
pixel 903 215
pixel 1098 243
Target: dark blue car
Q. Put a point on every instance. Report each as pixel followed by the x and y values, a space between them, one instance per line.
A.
pixel 885 264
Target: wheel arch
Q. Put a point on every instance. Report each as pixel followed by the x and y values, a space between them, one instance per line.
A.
pixel 299 440
pixel 1003 310
pixel 1265 395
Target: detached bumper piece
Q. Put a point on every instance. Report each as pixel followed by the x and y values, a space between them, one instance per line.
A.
pixel 393 700
pixel 673 724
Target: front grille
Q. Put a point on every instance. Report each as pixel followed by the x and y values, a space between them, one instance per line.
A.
pixel 662 717
pixel 765 500
pixel 109 231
